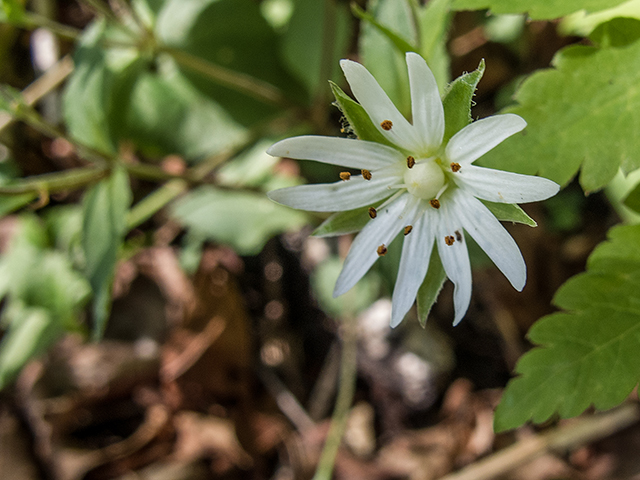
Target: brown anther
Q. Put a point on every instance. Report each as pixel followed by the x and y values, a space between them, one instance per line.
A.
pixel 449 239
pixel 345 176
pixel 407 230
pixel 373 213
pixel 435 203
pixel 386 125
pixel 455 167
pixel 382 250
pixel 410 161
pixel 366 174
pixel 458 235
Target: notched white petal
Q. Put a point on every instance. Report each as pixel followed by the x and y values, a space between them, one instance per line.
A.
pixel 426 105
pixel 479 137
pixel 504 187
pixel 346 152
pixel 335 197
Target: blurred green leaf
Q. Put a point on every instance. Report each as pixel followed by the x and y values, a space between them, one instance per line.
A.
pixel 433 22
pixel 244 220
pixel 314 26
pixel 582 23
pixel 458 100
pixel 342 223
pixel 567 109
pixel 633 199
pixel 252 168
pixel 431 286
pixel 400 43
pixel 588 354
pixel 537 9
pixel 104 215
pixel 234 35
pixel 618 32
pixel 13 10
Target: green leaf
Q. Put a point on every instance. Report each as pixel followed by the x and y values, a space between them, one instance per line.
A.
pixel 588 354
pixel 31 332
pixel 357 118
pixel 431 286
pixel 342 223
pixel 433 22
pixel 633 199
pixel 105 209
pixel 582 24
pixel 537 9
pixel 14 10
pixel 97 92
pixel 400 43
pixel 244 220
pixel 313 27
pixel 458 100
pixel 381 56
pixel 618 32
pixel 581 114
pixel 507 212
pixel 234 35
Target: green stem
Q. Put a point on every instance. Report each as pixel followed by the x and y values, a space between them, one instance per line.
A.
pixel 32 20
pixel 55 182
pixel 241 82
pixel 346 390
pixel 156 174
pixel 148 206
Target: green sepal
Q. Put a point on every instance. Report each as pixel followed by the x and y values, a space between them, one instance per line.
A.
pixel 458 100
pixel 357 117
pixel 508 212
pixel 343 223
pixel 431 286
pixel 400 43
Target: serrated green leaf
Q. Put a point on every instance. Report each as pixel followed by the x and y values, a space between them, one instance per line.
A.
pixel 581 114
pixel 587 355
pixel 458 100
pixel 537 9
pixel 357 118
pixel 618 32
pixel 507 212
pixel 431 286
pixel 632 200
pixel 244 220
pixel 342 223
pixel 104 216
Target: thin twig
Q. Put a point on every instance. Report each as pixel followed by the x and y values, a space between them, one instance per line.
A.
pixel 575 433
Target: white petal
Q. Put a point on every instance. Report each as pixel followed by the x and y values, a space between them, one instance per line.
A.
pixel 363 253
pixel 414 263
pixel 455 260
pixel 426 106
pixel 492 237
pixel 380 108
pixel 336 197
pixel 479 137
pixel 504 187
pixel 346 152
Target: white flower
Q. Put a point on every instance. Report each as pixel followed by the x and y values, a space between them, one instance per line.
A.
pixel 430 189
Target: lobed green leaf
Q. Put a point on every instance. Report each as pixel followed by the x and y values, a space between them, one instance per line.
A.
pixel 588 354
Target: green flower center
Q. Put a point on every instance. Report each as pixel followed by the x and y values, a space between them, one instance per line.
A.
pixel 425 179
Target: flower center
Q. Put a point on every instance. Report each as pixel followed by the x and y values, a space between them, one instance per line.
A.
pixel 424 180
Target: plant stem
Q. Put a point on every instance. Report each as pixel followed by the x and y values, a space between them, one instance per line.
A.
pixel 55 182
pixel 241 82
pixel 148 206
pixel 346 390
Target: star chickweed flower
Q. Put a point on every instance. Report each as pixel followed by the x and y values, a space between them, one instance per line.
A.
pixel 429 190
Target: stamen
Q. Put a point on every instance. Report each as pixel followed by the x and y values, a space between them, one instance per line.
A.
pixel 373 212
pixel 386 125
pixel 366 174
pixel 389 200
pixel 407 230
pixel 458 235
pixel 382 250
pixel 345 176
pixel 441 191
pixel 449 239
pixel 455 167
pixel 410 161
pixel 435 203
